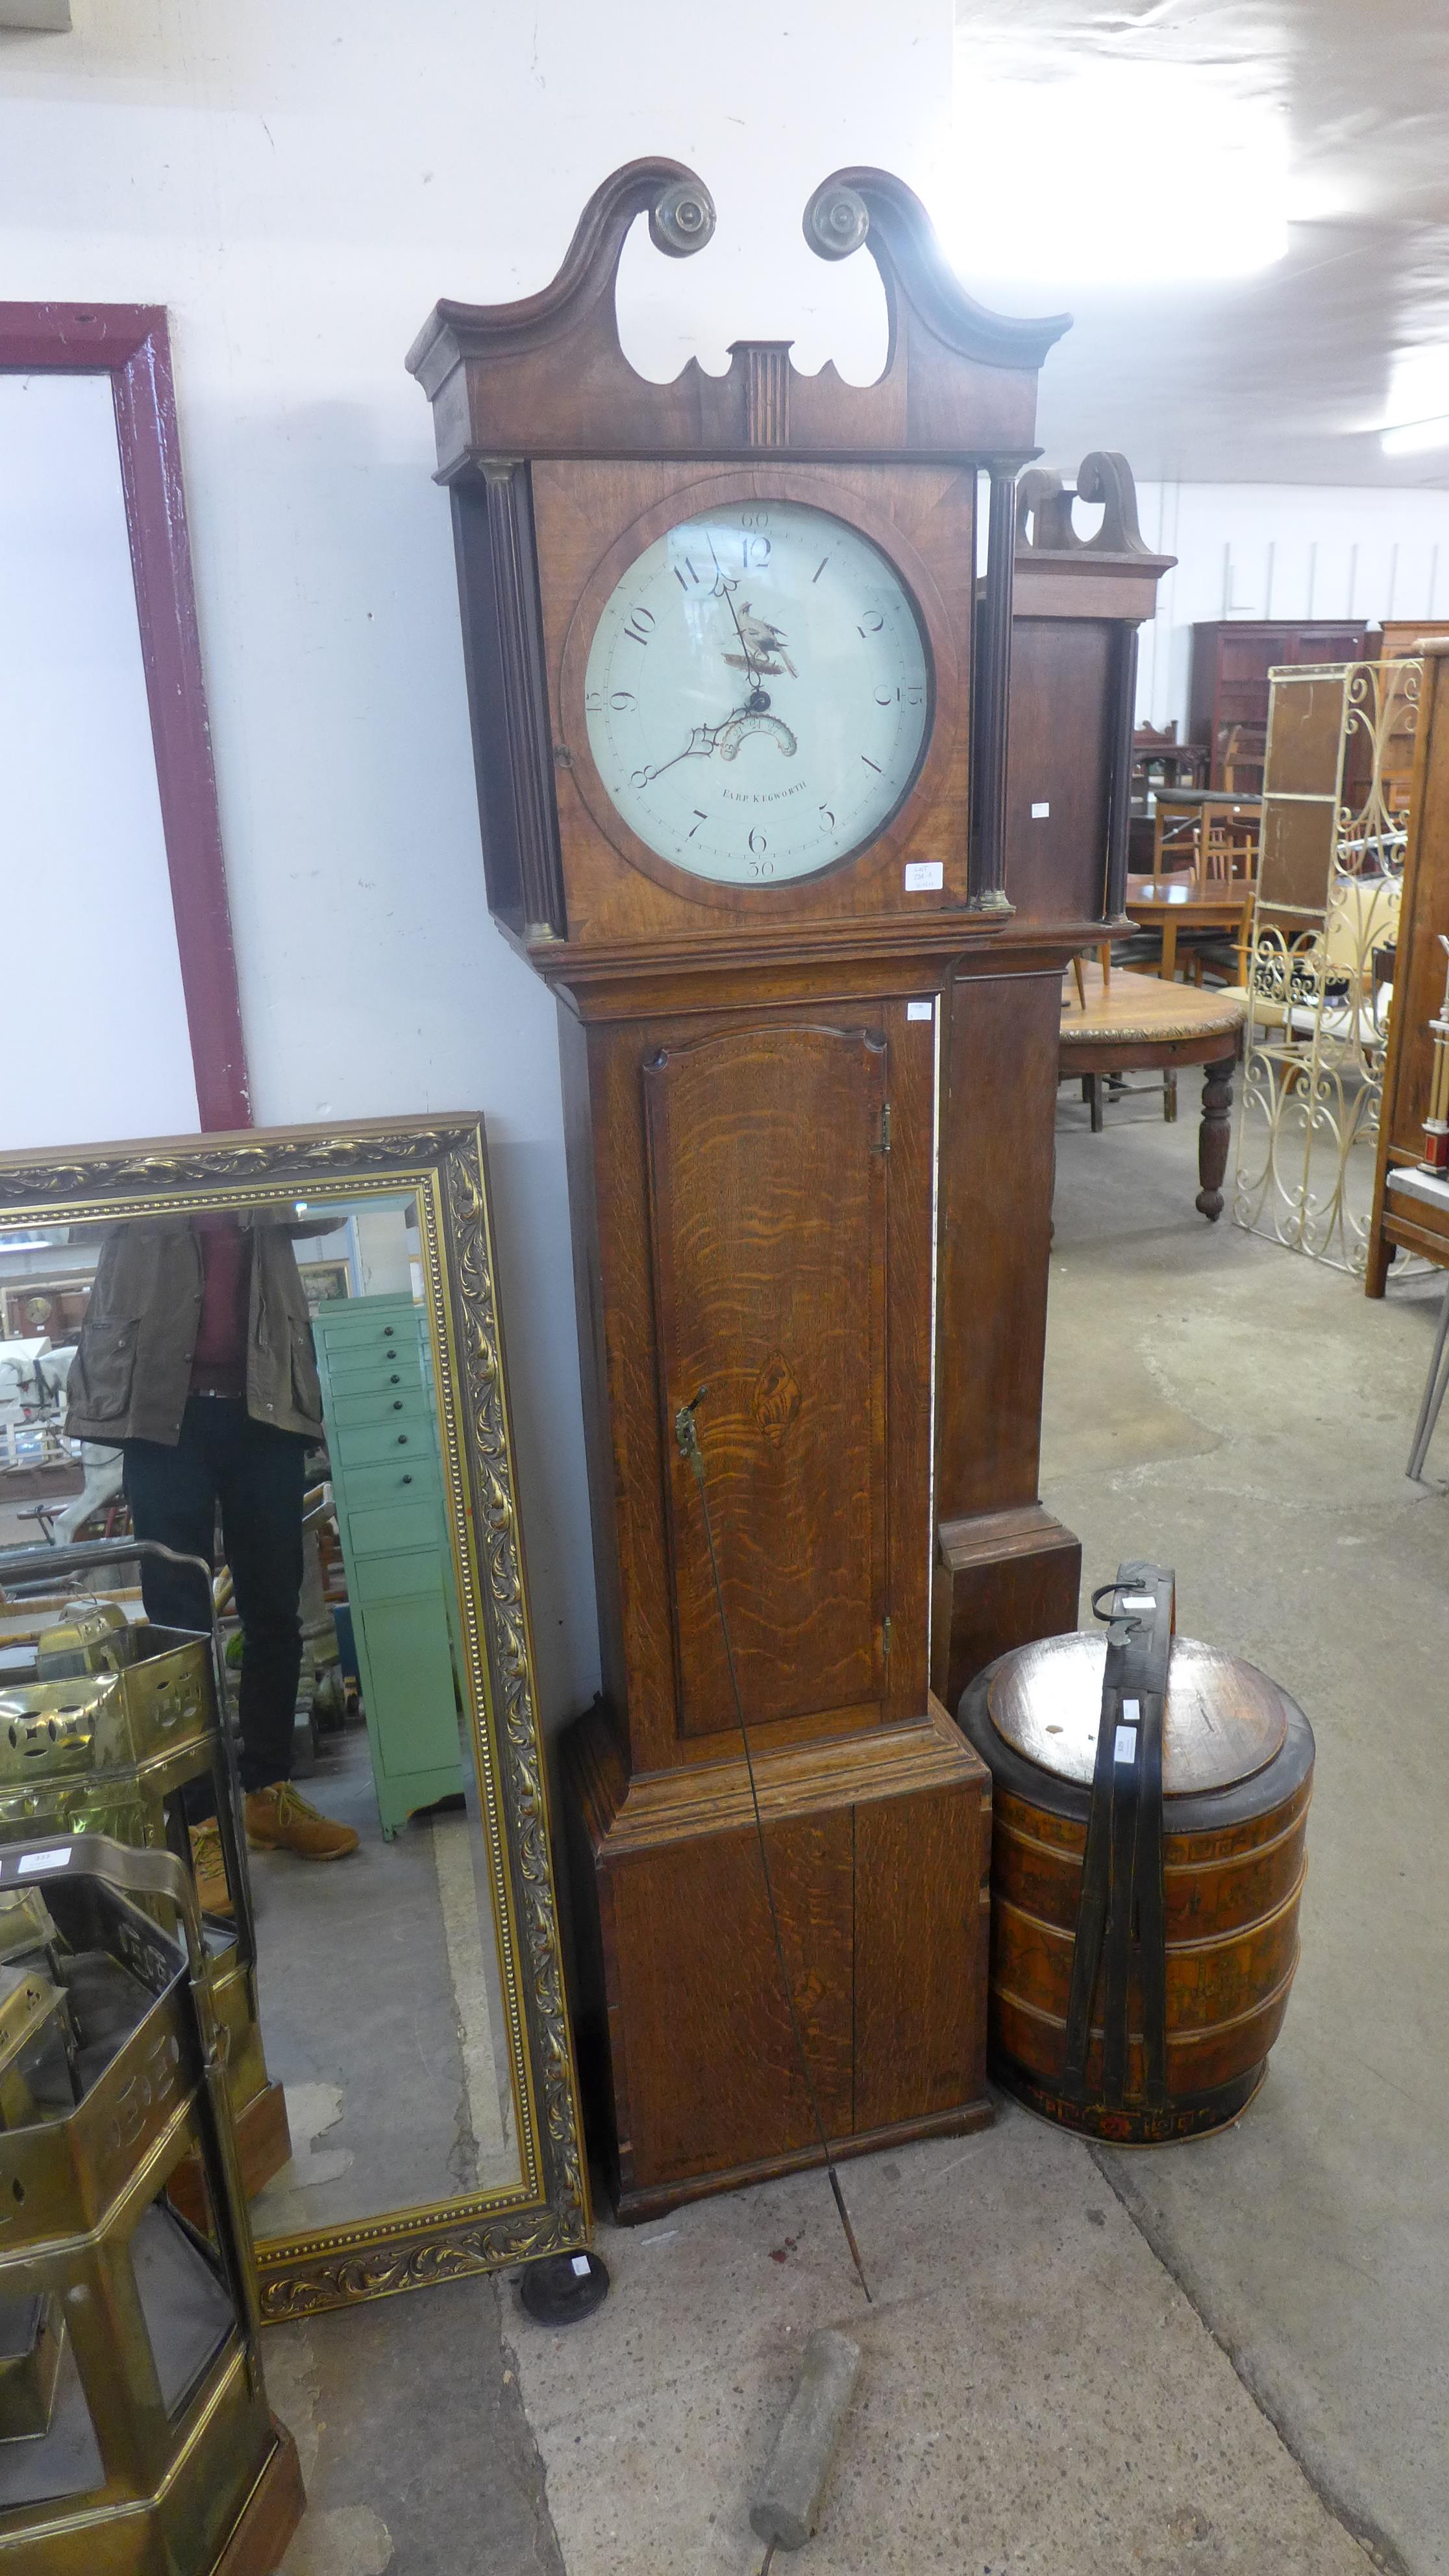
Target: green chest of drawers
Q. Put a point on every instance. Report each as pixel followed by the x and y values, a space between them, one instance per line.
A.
pixel 387 1483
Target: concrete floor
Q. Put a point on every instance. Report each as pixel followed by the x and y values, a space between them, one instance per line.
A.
pixel 1215 2360
pixel 409 2100
pixel 1247 1415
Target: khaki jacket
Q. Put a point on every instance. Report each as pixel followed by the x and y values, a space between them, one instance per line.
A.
pixel 131 1374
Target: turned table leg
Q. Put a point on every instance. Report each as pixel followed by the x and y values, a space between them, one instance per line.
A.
pixel 1212 1140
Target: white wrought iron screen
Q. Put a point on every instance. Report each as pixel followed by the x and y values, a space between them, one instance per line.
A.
pixel 1335 809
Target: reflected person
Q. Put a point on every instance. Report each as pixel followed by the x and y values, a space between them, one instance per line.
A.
pixel 196 1359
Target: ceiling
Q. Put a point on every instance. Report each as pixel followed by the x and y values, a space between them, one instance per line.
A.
pixel 1283 375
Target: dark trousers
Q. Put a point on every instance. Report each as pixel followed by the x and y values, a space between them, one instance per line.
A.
pixel 255 1473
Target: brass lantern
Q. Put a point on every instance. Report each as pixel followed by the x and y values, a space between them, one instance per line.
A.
pixel 117 1721
pixel 135 2437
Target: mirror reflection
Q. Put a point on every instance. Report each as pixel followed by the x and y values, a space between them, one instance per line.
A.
pixel 257 1388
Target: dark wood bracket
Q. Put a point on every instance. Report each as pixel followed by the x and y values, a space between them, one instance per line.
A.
pixel 508 699
pixel 1044 523
pixel 993 697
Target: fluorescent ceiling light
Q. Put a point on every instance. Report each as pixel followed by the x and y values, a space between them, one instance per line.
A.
pixel 1418 403
pixel 1413 437
pixel 1134 174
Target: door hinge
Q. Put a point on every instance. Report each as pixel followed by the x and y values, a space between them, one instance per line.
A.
pixel 885 1637
pixel 884 1145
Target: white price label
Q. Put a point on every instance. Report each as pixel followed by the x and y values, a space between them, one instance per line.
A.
pixel 581 2266
pixel 920 1010
pixel 1125 1748
pixel 925 876
pixel 1039 813
pixel 44 1860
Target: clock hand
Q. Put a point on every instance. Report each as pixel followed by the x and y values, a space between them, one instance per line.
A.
pixel 701 743
pixel 751 674
pixel 703 740
pixel 725 739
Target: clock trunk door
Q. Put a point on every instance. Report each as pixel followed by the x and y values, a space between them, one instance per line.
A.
pixel 770 1185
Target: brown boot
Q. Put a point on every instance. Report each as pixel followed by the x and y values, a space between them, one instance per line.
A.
pixel 209 1869
pixel 279 1820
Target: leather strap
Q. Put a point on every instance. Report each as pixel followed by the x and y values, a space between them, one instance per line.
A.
pixel 1120 1917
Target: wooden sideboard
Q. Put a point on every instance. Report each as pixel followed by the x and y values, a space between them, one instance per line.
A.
pixel 1397 639
pixel 1231 660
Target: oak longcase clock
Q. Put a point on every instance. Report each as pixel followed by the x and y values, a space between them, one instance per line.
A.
pixel 741 743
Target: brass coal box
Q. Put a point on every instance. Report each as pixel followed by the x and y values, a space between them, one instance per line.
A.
pixel 135 2437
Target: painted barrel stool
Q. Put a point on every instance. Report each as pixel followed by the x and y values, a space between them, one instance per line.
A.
pixel 1237 1779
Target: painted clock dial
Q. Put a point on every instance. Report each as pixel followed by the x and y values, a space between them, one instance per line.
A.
pixel 757 693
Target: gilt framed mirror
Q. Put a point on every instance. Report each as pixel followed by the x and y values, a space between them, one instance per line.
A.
pixel 409 2002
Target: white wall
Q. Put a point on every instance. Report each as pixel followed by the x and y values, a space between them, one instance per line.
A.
pixel 1280 550
pixel 298 184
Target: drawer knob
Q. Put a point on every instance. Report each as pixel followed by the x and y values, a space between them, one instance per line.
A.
pixel 397 1400
pixel 394 1380
pixel 407 1480
pixel 402 1440
pixel 387 1332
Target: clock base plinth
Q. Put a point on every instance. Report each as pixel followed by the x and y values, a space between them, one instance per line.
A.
pixel 879 1847
pixel 633 2208
pixel 1001 1579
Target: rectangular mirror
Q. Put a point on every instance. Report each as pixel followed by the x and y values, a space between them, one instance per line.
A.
pixel 409 1993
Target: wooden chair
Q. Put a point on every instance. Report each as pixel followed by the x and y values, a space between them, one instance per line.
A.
pixel 1242 754
pixel 1104 960
pixel 1230 847
pixel 1175 842
pixel 1157 750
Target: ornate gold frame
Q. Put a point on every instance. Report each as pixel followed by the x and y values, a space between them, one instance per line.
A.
pixel 443 1162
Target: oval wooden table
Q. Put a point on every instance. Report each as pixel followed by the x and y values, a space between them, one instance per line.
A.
pixel 1137 1023
pixel 1221 905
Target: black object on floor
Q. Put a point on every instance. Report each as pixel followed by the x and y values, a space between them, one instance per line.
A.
pixel 562 2289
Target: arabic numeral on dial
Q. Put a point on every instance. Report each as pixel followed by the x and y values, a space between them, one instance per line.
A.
pixel 754 553
pixel 915 694
pixel 640 626
pixel 621 700
pixel 754 518
pixel 700 817
pixel 871 623
pixel 686 576
pixel 594 701
pixel 827 819
pixel 887 697
pixel 757 845
pixel 757 863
